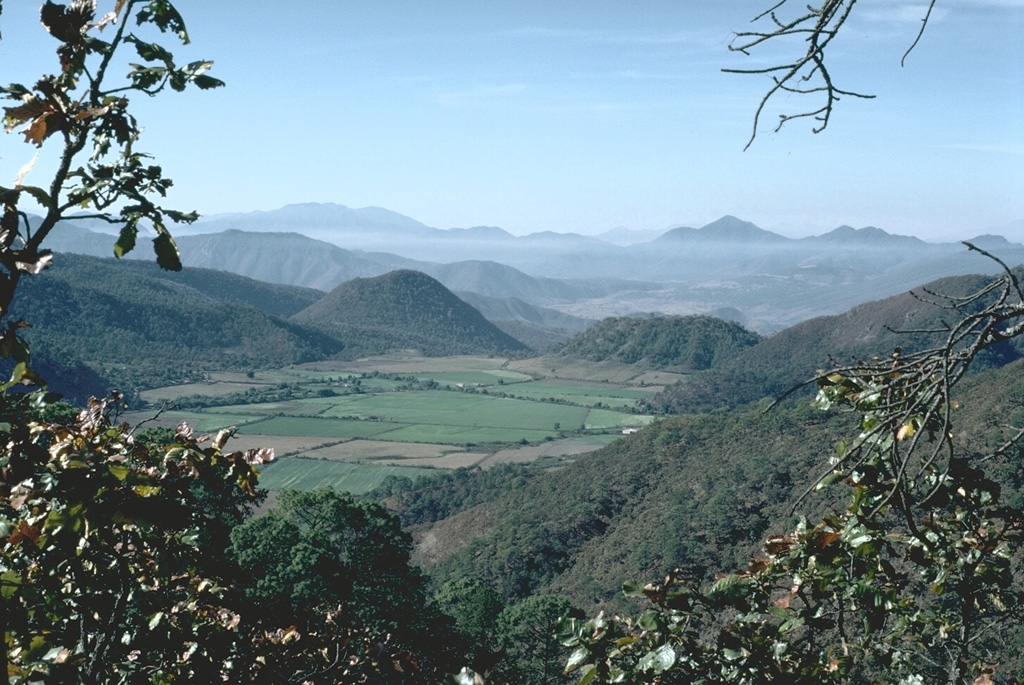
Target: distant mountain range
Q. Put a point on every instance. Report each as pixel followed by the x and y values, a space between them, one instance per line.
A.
pixel 766 280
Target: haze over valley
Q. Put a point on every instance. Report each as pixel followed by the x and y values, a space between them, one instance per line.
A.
pixel 729 268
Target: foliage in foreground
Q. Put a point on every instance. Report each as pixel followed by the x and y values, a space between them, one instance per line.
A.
pixel 106 571
pixel 912 582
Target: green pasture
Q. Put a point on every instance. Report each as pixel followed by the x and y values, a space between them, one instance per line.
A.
pixel 439 407
pixel 307 474
pixel 321 428
pixel 606 419
pixel 507 413
pixel 470 378
pixel 465 435
pixel 199 421
pixel 586 395
pixel 288 407
pixel 299 375
pixel 405 365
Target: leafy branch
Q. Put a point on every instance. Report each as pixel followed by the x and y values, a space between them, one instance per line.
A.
pixel 80 107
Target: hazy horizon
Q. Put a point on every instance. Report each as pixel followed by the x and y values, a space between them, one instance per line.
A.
pixel 578 117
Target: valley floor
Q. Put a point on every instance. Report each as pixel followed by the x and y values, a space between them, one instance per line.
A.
pixel 352 424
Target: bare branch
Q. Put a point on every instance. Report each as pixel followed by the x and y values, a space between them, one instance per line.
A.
pixel 920 32
pixel 815 25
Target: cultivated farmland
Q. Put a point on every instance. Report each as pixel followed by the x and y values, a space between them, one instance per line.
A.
pixel 352 424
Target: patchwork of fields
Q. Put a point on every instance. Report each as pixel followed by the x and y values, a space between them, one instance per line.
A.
pixel 350 425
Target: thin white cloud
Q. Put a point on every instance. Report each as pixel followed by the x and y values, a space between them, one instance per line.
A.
pixel 634 75
pixel 915 10
pixel 1012 148
pixel 904 13
pixel 609 37
pixel 597 107
pixel 1010 4
pixel 482 94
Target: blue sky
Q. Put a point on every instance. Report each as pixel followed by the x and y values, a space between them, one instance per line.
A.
pixel 580 116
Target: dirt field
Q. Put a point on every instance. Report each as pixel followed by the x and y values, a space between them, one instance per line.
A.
pixel 607 372
pixel 361 450
pixel 555 448
pixel 455 460
pixel 216 389
pixel 408 365
pixel 283 445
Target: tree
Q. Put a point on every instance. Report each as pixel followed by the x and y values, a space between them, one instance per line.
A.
pixel 475 608
pixel 915 580
pixel 104 576
pixel 337 571
pixel 528 634
pixel 79 107
pixel 807 72
pixel 103 572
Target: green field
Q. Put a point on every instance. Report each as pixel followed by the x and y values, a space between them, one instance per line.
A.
pixel 439 407
pixel 322 428
pixel 307 474
pixel 587 395
pixel 471 378
pixel 462 402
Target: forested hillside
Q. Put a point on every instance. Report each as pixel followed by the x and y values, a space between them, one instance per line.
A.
pixel 405 310
pixel 669 343
pixel 137 326
pixel 910 321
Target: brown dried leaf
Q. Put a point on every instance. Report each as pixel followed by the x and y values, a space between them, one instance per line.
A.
pixel 24 533
pixel 986 676
pixel 91 112
pixel 32 108
pixel 108 18
pixel 24 171
pixel 823 539
pixel 758 564
pixel 223 436
pixel 779 544
pixel 35 132
pixel 263 455
pixel 183 431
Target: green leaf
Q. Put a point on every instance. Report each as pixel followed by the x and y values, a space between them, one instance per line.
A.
pixel 658 661
pixel 204 82
pixel 167 255
pixel 9 583
pixel 17 373
pixel 151 52
pixel 588 675
pixel 648 620
pixel 119 471
pixel 576 659
pixel 40 195
pixel 631 588
pixel 126 240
